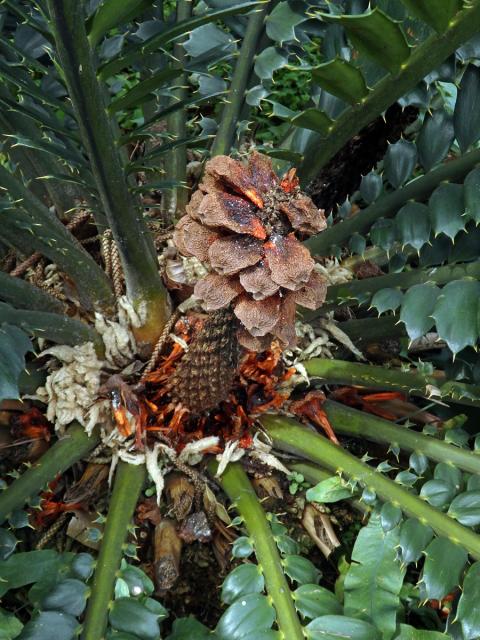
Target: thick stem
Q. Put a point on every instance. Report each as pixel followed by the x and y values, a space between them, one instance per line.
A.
pixel 351 422
pixel 66 451
pixel 128 484
pixel 174 200
pixel 236 95
pixel 367 330
pixel 290 436
pixel 388 205
pixel 144 285
pixel 236 484
pixel 424 59
pixel 376 377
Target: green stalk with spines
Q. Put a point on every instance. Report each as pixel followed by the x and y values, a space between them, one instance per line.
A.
pixel 237 486
pixel 175 200
pixel 376 377
pixel 26 296
pixel 33 223
pixel 426 57
pixel 351 422
pixel 349 293
pixel 236 95
pixel 100 137
pixel 70 448
pixel 128 483
pixel 288 435
pixel 388 205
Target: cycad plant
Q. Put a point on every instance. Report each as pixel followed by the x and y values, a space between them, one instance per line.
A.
pixel 148 152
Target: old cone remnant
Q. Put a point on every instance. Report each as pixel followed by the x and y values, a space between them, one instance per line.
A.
pixel 241 223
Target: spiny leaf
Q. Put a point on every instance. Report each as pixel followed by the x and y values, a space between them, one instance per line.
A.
pixel 245 579
pixel 377 36
pixel 312 601
pixel 252 613
pixel 383 233
pixel 440 577
pixel 436 14
pixel 447 209
pixel 142 91
pixel 131 616
pixel 435 138
pixel 50 625
pixel 466 116
pixel 465 508
pixel 414 537
pixel 281 22
pixel 413 225
pixel 386 300
pixel 341 79
pixel 313 119
pixel 371 187
pixel 456 314
pixel 375 577
pixel 399 162
pixel 417 307
pixel 468 612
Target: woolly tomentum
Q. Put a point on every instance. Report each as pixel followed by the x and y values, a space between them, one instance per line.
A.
pixel 241 223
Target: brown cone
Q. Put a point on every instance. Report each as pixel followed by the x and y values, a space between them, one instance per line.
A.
pixel 205 374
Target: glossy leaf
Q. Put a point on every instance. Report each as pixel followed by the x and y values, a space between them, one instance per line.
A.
pixel 14 344
pixel 418 304
pixel 188 628
pixel 386 300
pixel 313 119
pixel 411 633
pixel 333 627
pixel 438 493
pixel 377 36
pixel 312 601
pixel 465 508
pixel 10 626
pixel 449 473
pixel 341 79
pixel 459 330
pixel 468 611
pixel 390 516
pixel 412 224
pixel 252 613
pixel 371 187
pixel 466 116
pixel 447 209
pixel 281 22
pixel 245 579
pixel 435 14
pixel 50 625
pixel 440 577
pixel 375 577
pixel 8 542
pixel 330 490
pixel 301 570
pixel 242 547
pixel 69 596
pixel 414 537
pixel 383 233
pixel 471 194
pixel 435 138
pixel 131 616
pixel 399 162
